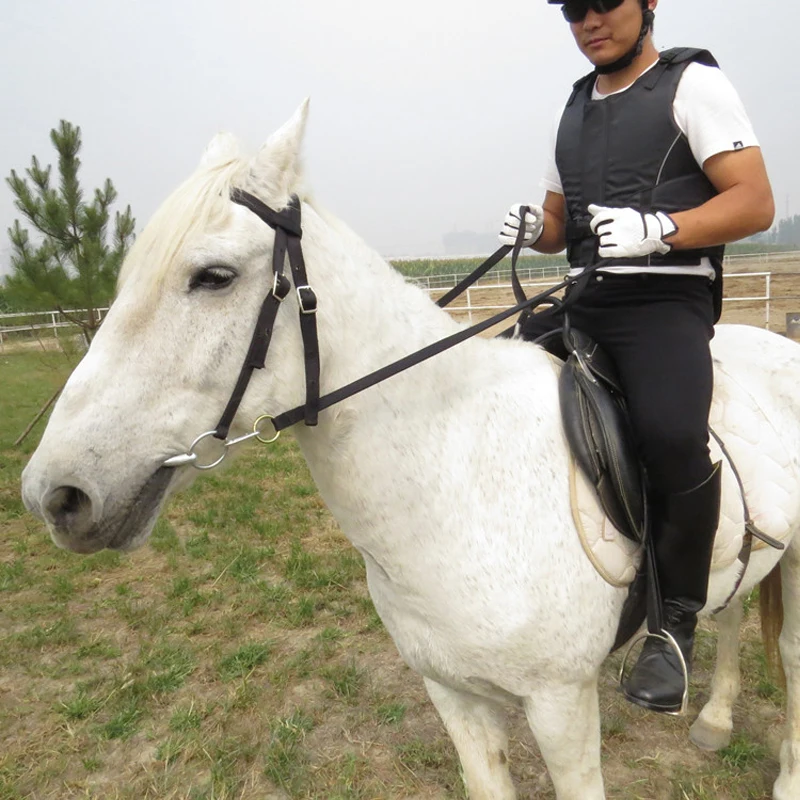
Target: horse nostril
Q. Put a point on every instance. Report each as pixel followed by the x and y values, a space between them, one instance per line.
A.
pixel 69 508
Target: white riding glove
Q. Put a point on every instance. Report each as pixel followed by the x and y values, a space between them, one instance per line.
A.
pixel 534 225
pixel 628 233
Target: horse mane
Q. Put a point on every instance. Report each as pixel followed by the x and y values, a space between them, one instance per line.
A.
pixel 199 203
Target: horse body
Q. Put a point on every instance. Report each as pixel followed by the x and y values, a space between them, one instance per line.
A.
pixel 451 479
pixel 414 467
pixel 420 473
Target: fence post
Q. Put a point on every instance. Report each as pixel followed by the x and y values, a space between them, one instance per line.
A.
pixel 769 295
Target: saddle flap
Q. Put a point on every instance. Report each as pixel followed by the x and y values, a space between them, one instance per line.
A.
pixel 597 429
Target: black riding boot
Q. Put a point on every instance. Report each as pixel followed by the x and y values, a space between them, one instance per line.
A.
pixel 684 541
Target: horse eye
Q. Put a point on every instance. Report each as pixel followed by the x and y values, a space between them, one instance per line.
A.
pixel 215 277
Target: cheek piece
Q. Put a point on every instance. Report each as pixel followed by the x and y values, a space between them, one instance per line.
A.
pixel 625 61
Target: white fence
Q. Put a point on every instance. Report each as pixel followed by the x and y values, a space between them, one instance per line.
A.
pixel 32 325
pixel 499 277
pixel 496 277
pixel 761 258
pixel 469 308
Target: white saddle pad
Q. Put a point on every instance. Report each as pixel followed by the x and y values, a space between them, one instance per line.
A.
pixel 764 466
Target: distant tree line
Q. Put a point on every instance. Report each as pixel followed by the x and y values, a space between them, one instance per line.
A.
pixel 786 232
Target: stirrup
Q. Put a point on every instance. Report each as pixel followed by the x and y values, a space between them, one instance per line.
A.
pixel 664 636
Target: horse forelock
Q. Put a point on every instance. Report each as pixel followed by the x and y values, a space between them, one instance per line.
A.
pixel 200 203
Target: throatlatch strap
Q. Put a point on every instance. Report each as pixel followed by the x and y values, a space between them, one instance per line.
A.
pixel 307 301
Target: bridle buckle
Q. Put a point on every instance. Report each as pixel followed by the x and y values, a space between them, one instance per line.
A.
pixel 307 299
pixel 280 286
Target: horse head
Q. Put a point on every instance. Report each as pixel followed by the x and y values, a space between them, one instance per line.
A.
pixel 162 365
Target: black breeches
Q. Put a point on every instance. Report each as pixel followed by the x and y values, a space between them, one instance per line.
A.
pixel 657 328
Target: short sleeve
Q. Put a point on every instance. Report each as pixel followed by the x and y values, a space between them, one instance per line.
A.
pixel 709 111
pixel 551 180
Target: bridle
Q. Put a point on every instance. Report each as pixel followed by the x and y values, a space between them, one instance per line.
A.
pixel 288 233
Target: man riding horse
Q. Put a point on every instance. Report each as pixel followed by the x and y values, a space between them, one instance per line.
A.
pixel 654 168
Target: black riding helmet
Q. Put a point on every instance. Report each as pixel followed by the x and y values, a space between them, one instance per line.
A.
pixel 575 11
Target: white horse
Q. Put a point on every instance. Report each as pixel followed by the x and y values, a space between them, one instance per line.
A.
pixel 450 479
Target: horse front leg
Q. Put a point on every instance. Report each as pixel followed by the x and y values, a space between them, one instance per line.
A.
pixel 565 719
pixel 477 727
pixel 712 729
pixel 787 787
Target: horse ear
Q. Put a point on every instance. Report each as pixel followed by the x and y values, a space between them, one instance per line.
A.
pixel 276 168
pixel 222 148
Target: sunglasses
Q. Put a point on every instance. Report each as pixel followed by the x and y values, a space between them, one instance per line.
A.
pixel 576 10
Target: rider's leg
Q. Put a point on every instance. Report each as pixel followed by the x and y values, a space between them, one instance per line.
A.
pixel 684 538
pixel 657 329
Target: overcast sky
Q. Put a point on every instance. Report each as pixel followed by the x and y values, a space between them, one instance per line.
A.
pixel 427 116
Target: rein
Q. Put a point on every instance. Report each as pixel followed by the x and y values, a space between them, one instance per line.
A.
pixel 288 235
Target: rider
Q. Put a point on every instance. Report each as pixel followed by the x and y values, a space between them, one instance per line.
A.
pixel 655 167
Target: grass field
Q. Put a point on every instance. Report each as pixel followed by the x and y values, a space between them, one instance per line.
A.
pixel 238 655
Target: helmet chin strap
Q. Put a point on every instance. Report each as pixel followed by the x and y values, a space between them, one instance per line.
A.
pixel 625 61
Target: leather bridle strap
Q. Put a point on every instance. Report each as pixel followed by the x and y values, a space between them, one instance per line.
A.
pixel 460 288
pixel 288 232
pixel 287 238
pixel 307 301
pixel 294 415
pixel 494 258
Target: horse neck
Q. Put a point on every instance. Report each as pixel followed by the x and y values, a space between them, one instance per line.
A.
pixel 369 314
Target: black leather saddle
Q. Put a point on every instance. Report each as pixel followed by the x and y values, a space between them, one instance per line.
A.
pixel 599 433
pixel 598 430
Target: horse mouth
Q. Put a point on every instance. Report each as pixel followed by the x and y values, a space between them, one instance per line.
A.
pixel 129 526
pixel 141 515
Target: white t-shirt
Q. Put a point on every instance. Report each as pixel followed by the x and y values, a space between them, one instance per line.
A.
pixel 709 112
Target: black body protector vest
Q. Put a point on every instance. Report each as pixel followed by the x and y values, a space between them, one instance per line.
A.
pixel 627 151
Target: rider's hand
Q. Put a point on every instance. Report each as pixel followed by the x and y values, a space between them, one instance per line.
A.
pixel 534 225
pixel 628 233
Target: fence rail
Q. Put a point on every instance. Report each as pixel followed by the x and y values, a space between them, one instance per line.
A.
pixel 495 278
pixel 33 325
pixel 529 273
pixel 30 325
pixel 470 308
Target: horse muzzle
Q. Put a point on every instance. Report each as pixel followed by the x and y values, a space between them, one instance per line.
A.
pixel 80 519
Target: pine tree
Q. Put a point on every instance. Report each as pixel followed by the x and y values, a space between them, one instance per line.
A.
pixel 72 260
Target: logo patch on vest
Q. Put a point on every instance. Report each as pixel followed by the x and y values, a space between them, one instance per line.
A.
pixel 738 146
